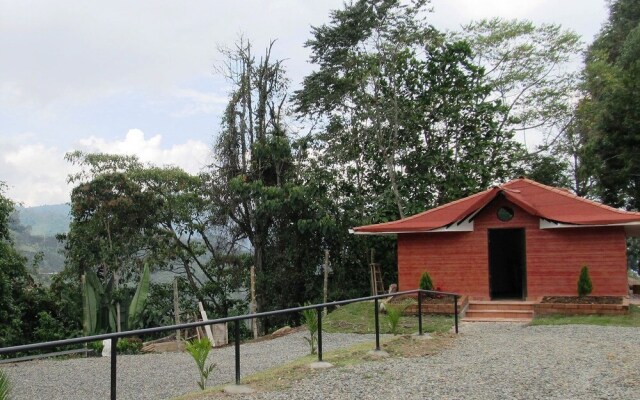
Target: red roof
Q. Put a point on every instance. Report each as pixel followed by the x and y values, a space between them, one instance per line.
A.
pixel 553 204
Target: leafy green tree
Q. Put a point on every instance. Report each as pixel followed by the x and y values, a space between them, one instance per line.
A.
pixel 527 67
pixel 584 282
pixel 401 111
pixel 609 110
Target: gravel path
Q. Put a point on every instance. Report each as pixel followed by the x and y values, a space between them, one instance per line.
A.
pixel 488 361
pixel 156 376
pixel 495 361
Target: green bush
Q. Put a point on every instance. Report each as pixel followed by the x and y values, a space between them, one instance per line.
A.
pixel 425 281
pixel 96 346
pixel 199 350
pixel 5 386
pixel 129 345
pixel 584 282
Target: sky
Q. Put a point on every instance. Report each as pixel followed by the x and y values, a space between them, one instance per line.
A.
pixel 138 77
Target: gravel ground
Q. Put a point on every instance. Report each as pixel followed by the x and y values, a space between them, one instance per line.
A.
pixel 495 361
pixel 156 376
pixel 488 361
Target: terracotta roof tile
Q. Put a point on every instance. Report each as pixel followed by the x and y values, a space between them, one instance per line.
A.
pixel 547 202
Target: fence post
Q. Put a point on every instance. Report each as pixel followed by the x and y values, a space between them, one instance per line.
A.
pixel 420 313
pixel 319 310
pixel 237 346
pixel 114 345
pixel 455 310
pixel 377 325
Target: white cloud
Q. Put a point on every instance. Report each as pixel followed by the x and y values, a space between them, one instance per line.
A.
pixel 198 102
pixel 36 173
pixel 191 155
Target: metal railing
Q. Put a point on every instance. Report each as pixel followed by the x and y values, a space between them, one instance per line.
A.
pixel 236 321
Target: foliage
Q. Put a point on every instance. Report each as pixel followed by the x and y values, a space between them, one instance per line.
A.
pixel 425 281
pixel 584 282
pixel 96 346
pixel 29 311
pixel 607 113
pixel 393 317
pixel 139 300
pixel 5 386
pixel 310 320
pixel 199 350
pixel 129 345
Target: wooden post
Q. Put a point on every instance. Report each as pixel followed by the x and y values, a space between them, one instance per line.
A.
pixel 176 307
pixel 372 274
pixel 253 305
pixel 207 328
pixel 326 279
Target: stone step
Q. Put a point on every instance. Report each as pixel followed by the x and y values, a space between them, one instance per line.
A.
pixel 511 314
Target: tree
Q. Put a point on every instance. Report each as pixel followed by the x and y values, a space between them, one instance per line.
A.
pixel 527 67
pixel 401 112
pixel 110 213
pixel 609 109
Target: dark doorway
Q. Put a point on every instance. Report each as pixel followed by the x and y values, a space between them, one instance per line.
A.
pixel 507 259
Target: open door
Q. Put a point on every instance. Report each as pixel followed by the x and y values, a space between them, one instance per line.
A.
pixel 507 264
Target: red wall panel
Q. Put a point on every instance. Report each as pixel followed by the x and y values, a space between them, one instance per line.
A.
pixel 458 261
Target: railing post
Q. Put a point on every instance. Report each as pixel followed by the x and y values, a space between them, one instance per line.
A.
pixel 377 325
pixel 319 310
pixel 237 346
pixel 114 352
pixel 420 313
pixel 455 310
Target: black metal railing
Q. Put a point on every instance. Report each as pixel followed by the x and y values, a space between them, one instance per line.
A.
pixel 236 320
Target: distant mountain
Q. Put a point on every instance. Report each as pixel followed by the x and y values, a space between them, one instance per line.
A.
pixel 34 232
pixel 47 220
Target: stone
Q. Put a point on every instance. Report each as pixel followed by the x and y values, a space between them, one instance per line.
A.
pixel 378 354
pixel 106 348
pixel 320 365
pixel 238 389
pixel 282 331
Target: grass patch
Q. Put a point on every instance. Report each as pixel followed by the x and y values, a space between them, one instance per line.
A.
pixel 360 318
pixel 632 319
pixel 284 376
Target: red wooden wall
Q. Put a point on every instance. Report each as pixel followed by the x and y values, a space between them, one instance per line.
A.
pixel 458 261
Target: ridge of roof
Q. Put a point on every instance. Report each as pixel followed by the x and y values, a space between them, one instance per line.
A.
pixel 570 195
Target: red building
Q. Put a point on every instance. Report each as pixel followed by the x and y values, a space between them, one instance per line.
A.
pixel 521 240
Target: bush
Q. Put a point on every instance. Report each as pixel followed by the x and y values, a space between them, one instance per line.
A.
pixel 584 282
pixel 96 346
pixel 425 281
pixel 129 345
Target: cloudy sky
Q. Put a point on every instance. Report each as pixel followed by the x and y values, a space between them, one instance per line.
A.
pixel 137 77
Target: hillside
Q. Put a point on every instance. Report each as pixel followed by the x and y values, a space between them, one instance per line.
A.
pixel 47 220
pixel 34 232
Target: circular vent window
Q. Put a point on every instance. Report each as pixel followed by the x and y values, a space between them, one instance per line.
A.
pixel 505 214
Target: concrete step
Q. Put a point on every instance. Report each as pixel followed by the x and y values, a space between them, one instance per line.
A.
pixel 521 320
pixel 511 314
pixel 501 305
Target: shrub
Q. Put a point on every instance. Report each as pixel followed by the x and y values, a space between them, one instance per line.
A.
pixel 199 350
pixel 425 281
pixel 310 319
pixel 584 282
pixel 393 316
pixel 129 345
pixel 96 346
pixel 5 386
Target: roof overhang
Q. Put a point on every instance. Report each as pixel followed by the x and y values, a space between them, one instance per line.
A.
pixel 460 226
pixel 632 229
